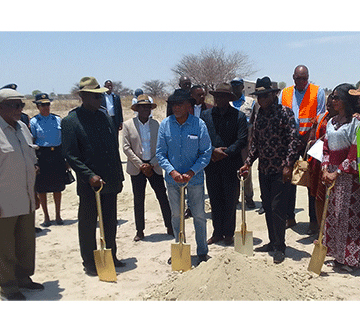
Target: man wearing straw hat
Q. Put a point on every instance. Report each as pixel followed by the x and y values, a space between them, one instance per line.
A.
pixel 90 145
pixel 139 145
pixel 228 132
pixel 275 141
pixel 17 199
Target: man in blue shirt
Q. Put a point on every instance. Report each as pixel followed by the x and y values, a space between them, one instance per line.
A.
pixel 183 150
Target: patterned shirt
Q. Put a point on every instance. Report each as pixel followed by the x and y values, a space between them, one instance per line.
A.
pixel 275 140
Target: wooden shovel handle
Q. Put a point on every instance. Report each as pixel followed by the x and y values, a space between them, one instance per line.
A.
pixel 327 195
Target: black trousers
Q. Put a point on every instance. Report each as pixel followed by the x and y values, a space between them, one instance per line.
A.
pixel 157 184
pixel 274 196
pixel 222 186
pixel 290 214
pixel 87 216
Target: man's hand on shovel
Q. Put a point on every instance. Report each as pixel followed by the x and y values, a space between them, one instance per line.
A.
pixel 96 181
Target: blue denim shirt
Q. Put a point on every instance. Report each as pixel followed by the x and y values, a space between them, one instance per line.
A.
pixel 184 147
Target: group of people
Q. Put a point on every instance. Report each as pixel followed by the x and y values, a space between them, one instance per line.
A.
pixel 196 144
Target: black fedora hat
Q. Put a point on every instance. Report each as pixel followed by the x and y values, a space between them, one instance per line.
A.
pixel 264 85
pixel 179 96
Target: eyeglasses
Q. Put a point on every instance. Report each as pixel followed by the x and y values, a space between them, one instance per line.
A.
pixel 15 105
pixel 300 78
pixel 97 95
pixel 44 104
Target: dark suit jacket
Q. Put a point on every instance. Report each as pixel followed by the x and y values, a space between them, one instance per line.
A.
pixel 229 130
pixel 89 142
pixel 118 119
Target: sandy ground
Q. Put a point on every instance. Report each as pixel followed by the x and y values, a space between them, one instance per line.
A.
pixel 227 276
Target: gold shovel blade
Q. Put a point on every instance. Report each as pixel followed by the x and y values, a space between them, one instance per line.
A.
pixel 180 257
pixel 105 265
pixel 317 258
pixel 243 247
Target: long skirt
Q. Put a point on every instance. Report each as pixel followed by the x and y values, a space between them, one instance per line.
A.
pixel 342 224
pixel 52 170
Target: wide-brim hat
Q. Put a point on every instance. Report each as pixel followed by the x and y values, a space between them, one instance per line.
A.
pixel 143 100
pixel 179 96
pixel 354 92
pixel 90 84
pixel 224 88
pixel 8 94
pixel 42 98
pixel 264 85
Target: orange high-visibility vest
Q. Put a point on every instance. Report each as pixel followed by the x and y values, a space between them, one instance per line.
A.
pixel 308 106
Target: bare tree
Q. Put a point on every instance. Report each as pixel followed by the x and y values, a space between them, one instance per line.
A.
pixel 213 66
pixel 154 88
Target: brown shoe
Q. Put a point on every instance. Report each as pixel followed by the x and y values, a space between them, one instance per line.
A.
pixel 139 236
pixel 290 223
pixel 313 228
pixel 214 239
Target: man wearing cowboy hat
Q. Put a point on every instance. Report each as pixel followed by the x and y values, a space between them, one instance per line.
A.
pixel 228 132
pixel 183 150
pixel 90 145
pixel 139 145
pixel 275 141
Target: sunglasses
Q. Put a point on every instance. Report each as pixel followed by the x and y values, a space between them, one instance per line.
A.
pixel 44 104
pixel 15 105
pixel 263 95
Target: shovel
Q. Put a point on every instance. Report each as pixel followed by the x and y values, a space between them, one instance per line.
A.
pixel 104 261
pixel 243 239
pixel 320 251
pixel 180 252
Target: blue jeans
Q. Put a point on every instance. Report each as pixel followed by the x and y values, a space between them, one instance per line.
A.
pixel 195 195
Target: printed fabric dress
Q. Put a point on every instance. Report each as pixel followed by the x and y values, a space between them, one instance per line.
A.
pixel 342 224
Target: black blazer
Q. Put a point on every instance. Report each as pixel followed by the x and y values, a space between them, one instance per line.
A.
pixel 118 119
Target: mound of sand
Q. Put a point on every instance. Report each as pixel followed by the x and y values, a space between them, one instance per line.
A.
pixel 232 276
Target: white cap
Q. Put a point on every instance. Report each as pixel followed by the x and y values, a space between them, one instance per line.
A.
pixel 8 94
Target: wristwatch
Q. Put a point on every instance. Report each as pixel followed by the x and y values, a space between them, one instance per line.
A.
pixel 338 171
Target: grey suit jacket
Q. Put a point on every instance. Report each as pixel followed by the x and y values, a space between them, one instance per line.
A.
pixel 132 146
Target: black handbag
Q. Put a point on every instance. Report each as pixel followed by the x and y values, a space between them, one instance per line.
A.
pixel 69 178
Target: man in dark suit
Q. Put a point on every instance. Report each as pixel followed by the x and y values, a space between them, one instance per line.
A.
pixel 90 145
pixel 228 132
pixel 112 103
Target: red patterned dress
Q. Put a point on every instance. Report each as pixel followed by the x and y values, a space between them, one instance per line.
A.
pixel 342 224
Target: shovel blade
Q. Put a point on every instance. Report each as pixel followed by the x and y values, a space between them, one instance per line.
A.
pixel 105 265
pixel 317 258
pixel 180 257
pixel 244 247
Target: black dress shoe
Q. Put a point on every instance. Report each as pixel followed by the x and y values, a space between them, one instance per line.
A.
pixel 214 239
pixel 265 248
pixel 187 213
pixel 261 210
pixel 279 257
pixel 290 223
pixel 202 258
pixel 313 229
pixel 139 236
pixel 119 263
pixel 90 271
pixel 250 204
pixel 228 240
pixel 16 296
pixel 170 231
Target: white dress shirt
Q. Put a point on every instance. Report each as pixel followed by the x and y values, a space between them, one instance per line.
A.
pixel 145 139
pixel 110 104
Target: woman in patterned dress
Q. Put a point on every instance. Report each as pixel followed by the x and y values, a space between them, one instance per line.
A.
pixel 342 224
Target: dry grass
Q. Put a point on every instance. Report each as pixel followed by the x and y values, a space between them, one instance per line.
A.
pixel 63 107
